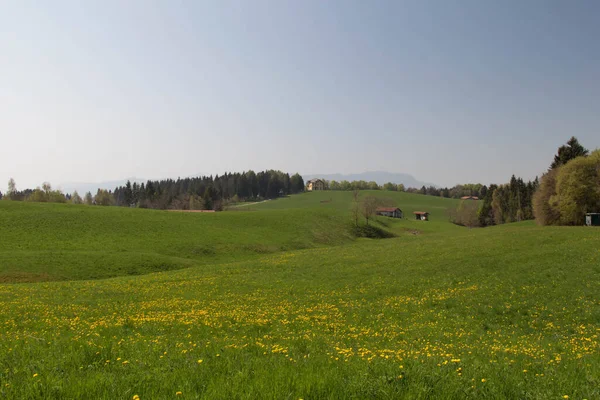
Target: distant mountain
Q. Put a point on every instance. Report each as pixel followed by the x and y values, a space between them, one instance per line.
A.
pixel 83 188
pixel 380 177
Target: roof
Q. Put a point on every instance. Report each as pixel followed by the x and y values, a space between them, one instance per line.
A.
pixel 387 209
pixel 315 180
pixel 421 213
pixel 469 198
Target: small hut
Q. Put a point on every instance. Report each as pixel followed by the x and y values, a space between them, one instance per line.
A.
pixel 421 215
pixel 592 219
pixel 393 212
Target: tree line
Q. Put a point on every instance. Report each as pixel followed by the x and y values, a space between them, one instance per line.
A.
pixel 455 192
pixel 208 192
pixel 199 193
pixel 569 190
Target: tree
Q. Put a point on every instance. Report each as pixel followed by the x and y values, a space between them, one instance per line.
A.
pixel 544 210
pixel 47 188
pixel 12 189
pixel 372 185
pixel 368 208
pixel 38 196
pixel 355 206
pixel 578 189
pixel 486 215
pixel 104 198
pixel 390 186
pixel 572 149
pixel 75 198
pixel 0 195
pixel 88 199
pixel 127 194
pixel 466 214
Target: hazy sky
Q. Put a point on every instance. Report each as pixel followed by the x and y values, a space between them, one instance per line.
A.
pixel 449 91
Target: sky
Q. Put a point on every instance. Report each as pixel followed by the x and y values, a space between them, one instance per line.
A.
pixel 448 91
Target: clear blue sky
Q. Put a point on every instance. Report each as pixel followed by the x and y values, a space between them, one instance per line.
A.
pixel 449 91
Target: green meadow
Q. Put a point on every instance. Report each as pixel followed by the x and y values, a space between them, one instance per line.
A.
pixel 278 300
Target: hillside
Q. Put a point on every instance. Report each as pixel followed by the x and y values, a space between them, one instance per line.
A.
pixel 504 312
pixel 57 241
pixel 281 300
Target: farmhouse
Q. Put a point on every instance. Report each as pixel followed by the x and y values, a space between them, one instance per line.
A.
pixel 421 215
pixel 315 184
pixel 592 219
pixel 469 198
pixel 393 212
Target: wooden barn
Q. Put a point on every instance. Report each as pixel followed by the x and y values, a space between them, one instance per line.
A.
pixel 421 215
pixel 393 212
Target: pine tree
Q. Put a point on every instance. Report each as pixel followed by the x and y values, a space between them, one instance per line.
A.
pixel 568 152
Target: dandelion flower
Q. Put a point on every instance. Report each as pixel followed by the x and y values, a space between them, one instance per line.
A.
pixel 178 394
pixel 136 397
pixel 200 361
pixel 482 379
pixel 34 375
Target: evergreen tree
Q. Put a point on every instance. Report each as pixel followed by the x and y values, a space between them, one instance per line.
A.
pixel 572 149
pixel 127 194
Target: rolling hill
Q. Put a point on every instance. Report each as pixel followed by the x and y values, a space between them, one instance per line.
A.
pixel 280 301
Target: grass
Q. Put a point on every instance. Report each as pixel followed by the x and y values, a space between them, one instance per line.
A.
pixel 63 242
pixel 504 312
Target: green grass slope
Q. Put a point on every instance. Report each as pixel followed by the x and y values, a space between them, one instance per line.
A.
pixel 510 312
pixel 43 242
pixel 57 241
pixel 342 201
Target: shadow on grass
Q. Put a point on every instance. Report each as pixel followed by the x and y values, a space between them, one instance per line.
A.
pixel 371 232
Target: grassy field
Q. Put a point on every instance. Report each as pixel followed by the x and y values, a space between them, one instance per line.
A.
pixel 438 311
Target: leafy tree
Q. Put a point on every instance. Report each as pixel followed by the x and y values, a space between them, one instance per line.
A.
pixel 75 198
pixel 47 188
pixel 38 196
pixel 104 198
pixel 466 214
pixel 88 199
pixel 390 186
pixel 544 208
pixel 578 189
pixel 12 189
pixel 373 185
pixel 368 207
pixel 572 149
